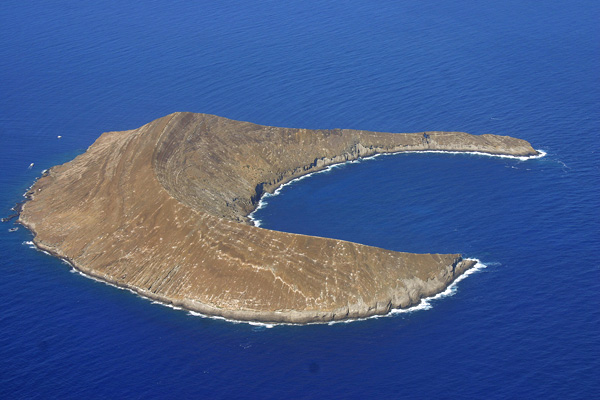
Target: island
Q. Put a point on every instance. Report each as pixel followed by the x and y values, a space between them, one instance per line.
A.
pixel 163 210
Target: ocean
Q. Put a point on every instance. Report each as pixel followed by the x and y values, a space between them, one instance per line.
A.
pixel 524 326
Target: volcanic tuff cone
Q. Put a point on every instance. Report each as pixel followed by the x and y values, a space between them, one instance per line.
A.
pixel 162 210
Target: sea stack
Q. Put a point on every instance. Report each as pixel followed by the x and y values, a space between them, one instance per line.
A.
pixel 163 210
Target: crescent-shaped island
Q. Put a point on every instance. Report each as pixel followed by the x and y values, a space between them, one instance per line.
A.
pixel 163 210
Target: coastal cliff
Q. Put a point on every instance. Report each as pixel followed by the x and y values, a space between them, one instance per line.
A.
pixel 163 210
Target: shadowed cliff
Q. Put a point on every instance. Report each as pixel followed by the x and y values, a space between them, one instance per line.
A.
pixel 162 210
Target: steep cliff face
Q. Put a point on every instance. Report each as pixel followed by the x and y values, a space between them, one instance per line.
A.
pixel 162 210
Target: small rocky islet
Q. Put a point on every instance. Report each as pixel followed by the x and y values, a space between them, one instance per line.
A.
pixel 163 210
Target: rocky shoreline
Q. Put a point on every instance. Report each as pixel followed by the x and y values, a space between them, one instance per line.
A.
pixel 459 267
pixel 163 211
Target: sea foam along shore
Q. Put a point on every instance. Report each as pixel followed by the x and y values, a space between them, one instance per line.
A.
pixel 424 304
pixel 262 202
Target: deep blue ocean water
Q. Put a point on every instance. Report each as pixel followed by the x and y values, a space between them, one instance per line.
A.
pixel 527 326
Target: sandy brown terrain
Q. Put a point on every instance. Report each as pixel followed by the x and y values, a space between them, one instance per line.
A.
pixel 163 209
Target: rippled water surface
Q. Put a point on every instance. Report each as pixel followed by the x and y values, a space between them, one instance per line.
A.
pixel 524 327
